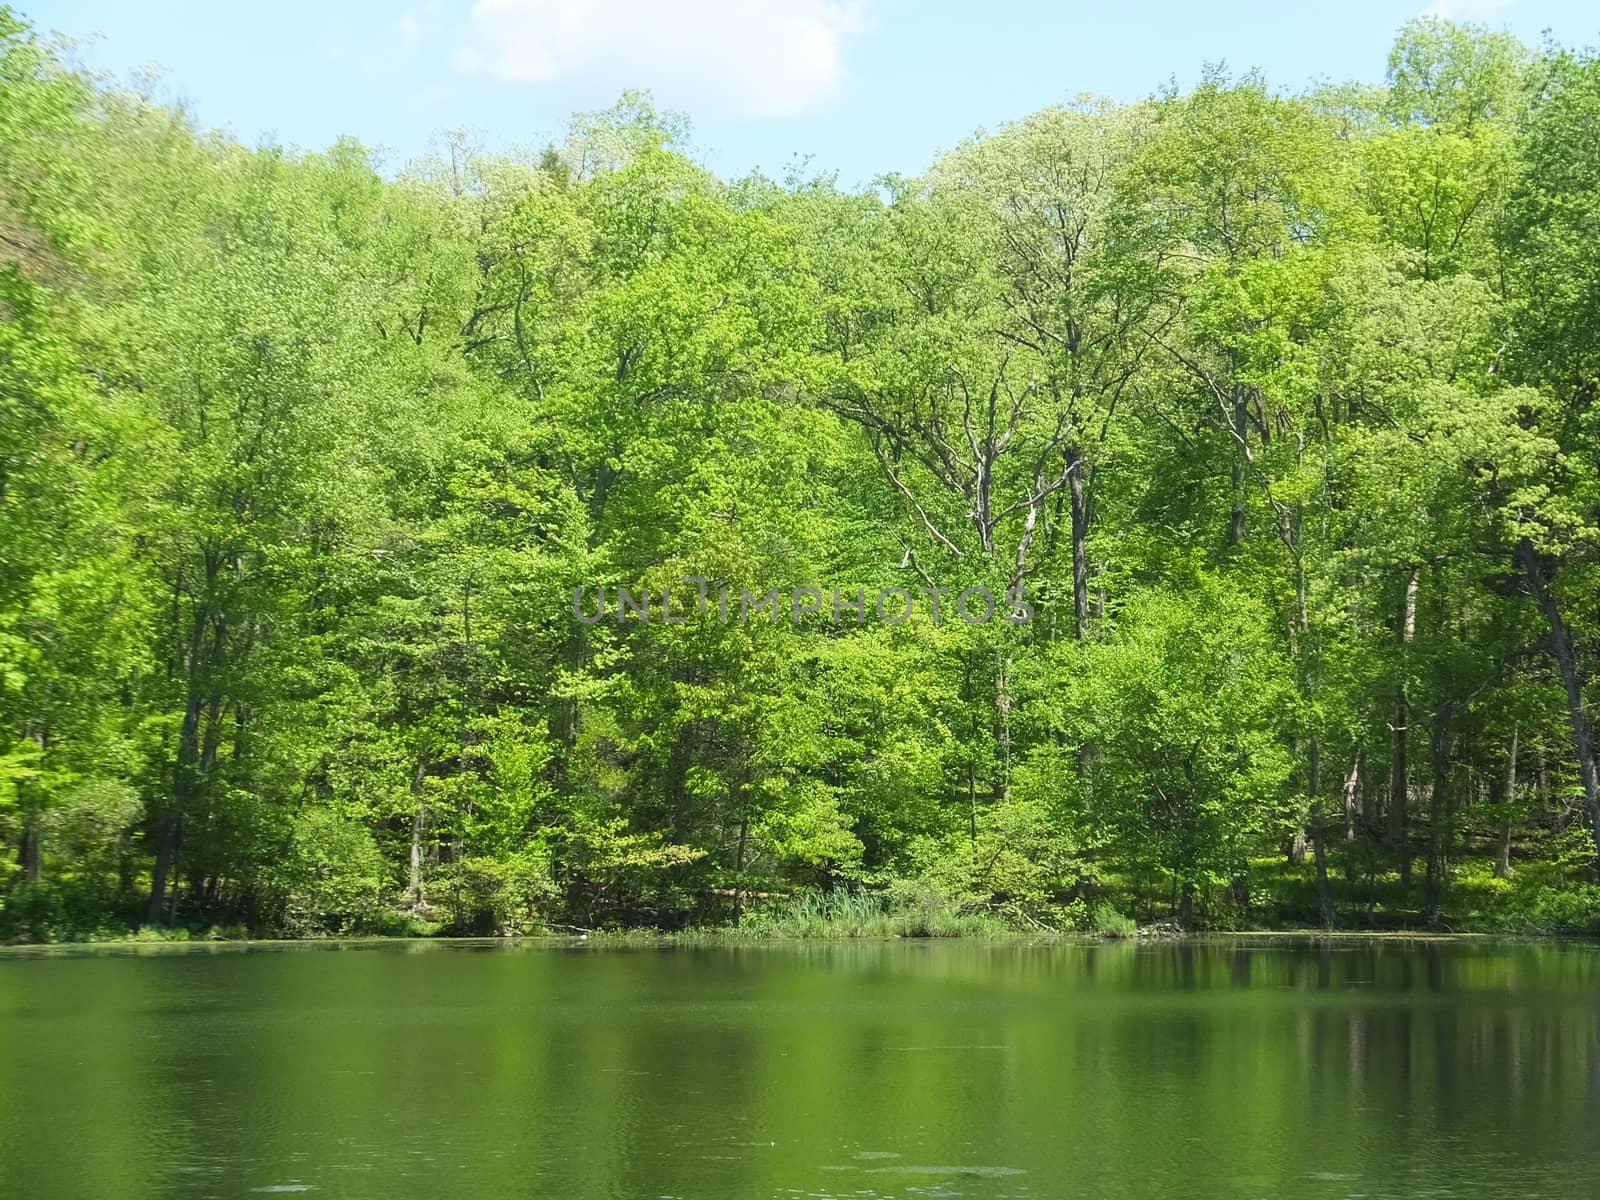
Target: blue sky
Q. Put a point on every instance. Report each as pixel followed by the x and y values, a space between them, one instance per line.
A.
pixel 863 86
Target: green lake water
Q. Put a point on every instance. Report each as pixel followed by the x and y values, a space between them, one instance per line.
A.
pixel 1248 1069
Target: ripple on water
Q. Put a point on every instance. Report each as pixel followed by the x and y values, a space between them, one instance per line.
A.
pixel 983 1172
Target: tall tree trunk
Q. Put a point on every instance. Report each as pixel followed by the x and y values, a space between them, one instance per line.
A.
pixel 1186 904
pixel 738 883
pixel 419 821
pixel 30 856
pixel 1400 779
pixel 201 663
pixel 1318 834
pixel 1572 679
pixel 1080 535
pixel 1241 430
pixel 1079 493
pixel 1002 708
pixel 166 853
pixel 1502 858
pixel 185 785
pixel 124 866
pixel 30 851
pixel 1319 851
pixel 1439 809
pixel 1354 801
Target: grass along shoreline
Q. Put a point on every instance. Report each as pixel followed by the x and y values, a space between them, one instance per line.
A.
pixel 840 916
pixel 714 937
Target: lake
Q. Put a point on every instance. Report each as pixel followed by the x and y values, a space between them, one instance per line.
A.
pixel 1233 1068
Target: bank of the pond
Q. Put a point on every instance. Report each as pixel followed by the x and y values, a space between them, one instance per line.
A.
pixel 169 941
pixel 900 913
pixel 1282 898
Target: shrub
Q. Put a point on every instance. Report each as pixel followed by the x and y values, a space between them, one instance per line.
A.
pixel 1109 923
pixel 332 877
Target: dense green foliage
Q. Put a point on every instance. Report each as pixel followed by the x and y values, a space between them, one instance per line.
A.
pixel 1282 409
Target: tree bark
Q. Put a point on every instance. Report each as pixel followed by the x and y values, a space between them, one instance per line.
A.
pixel 738 883
pixel 201 662
pixel 166 853
pixel 419 820
pixel 1318 835
pixel 1354 801
pixel 1573 681
pixel 1439 809
pixel 185 784
pixel 1502 858
pixel 1241 430
pixel 1400 778
pixel 1080 535
pixel 30 856
pixel 1002 706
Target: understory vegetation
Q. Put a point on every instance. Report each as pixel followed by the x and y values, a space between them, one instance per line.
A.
pixel 1274 414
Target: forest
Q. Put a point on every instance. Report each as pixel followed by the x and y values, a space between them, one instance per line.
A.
pixel 1275 411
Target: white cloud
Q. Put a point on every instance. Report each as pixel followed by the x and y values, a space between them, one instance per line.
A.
pixel 1466 10
pixel 766 57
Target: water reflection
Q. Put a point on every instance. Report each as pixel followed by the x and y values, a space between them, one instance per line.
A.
pixel 906 1069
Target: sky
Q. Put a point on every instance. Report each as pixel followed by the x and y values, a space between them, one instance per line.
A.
pixel 862 87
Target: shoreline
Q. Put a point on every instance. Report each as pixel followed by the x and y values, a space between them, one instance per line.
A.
pixel 713 939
